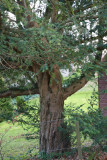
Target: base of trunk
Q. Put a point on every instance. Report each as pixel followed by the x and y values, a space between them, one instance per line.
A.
pixel 53 137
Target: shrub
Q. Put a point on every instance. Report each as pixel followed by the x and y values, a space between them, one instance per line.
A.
pixel 27 114
pixel 6 107
pixel 92 125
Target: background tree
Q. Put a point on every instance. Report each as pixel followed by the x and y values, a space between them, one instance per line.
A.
pixel 41 38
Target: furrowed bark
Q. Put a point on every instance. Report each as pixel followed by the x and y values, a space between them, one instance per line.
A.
pixel 51 115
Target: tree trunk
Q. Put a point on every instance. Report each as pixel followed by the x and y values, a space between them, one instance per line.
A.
pixel 51 114
pixel 51 118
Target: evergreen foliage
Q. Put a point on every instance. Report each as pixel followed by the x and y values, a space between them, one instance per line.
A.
pixel 6 107
pixel 68 32
pixel 27 114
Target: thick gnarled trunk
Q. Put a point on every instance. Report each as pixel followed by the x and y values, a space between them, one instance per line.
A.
pixel 51 119
pixel 51 114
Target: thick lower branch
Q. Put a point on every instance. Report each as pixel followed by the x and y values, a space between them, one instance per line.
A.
pixel 18 92
pixel 74 87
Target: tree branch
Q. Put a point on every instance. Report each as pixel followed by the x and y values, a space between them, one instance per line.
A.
pixel 83 8
pixel 22 3
pixel 55 11
pixel 75 86
pixel 14 92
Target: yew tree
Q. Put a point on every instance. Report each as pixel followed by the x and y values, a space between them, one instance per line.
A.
pixel 40 38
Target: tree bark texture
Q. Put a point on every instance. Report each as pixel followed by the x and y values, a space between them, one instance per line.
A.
pixel 51 114
pixel 102 86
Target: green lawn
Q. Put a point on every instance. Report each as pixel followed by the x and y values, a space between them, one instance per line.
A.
pixel 79 98
pixel 82 96
pixel 13 141
pixel 15 145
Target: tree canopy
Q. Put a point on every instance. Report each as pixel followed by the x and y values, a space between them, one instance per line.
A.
pixel 49 33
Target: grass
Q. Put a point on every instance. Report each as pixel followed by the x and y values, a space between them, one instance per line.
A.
pixel 19 145
pixel 79 99
pixel 83 96
pixel 13 141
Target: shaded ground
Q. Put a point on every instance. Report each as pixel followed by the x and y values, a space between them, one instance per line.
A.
pixel 86 156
